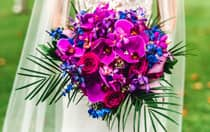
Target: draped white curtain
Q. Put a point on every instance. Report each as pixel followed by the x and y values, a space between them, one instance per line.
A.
pixel 24 116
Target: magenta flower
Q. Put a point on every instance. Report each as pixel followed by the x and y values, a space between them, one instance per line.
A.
pixel 123 27
pixel 65 50
pixel 113 99
pixel 87 21
pixel 133 51
pixel 102 12
pixel 104 49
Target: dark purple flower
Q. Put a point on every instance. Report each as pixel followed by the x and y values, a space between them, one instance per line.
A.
pixel 104 49
pixel 94 88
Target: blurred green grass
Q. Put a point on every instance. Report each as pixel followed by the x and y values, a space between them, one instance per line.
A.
pixel 197 106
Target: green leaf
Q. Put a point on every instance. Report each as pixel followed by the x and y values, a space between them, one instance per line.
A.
pixel 30 75
pixel 175 46
pixel 36 89
pixel 29 85
pixel 164 109
pixel 165 116
pixel 41 65
pixel 145 119
pixel 160 123
pixel 34 71
pixel 152 121
pixel 58 94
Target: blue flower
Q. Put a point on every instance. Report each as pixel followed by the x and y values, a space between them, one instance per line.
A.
pixel 57 33
pixel 152 59
pixel 83 12
pixel 98 113
pixel 151 33
pixel 80 31
pixel 71 41
pixel 69 88
pixel 123 15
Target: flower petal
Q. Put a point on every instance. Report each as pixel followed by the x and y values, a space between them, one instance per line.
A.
pixel 63 45
pixel 123 26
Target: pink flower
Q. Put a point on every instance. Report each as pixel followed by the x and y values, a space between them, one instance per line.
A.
pixel 66 51
pixel 113 99
pixel 89 62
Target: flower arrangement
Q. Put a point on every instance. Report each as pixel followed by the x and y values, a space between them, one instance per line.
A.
pixel 117 59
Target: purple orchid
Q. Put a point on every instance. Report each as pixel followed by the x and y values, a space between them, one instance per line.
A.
pixel 133 50
pixel 94 88
pixel 87 21
pixel 104 49
pixel 102 12
pixel 65 50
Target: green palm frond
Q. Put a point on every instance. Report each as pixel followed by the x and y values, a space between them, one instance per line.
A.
pixel 147 106
pixel 48 79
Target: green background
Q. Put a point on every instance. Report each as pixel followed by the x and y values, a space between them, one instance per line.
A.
pixel 197 92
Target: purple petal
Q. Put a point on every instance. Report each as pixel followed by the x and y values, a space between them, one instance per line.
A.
pixel 124 26
pixel 107 59
pixel 63 45
pixel 136 44
pixel 79 52
pixel 94 90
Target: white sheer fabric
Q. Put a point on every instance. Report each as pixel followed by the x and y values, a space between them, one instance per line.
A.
pixel 24 116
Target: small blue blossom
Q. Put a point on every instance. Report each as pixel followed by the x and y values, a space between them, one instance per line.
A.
pixel 123 15
pixel 134 18
pixel 152 59
pixel 151 33
pixel 71 41
pixel 57 33
pixel 83 12
pixel 159 51
pixel 69 88
pixel 98 113
pixel 80 31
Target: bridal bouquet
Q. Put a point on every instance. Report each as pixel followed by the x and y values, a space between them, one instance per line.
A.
pixel 115 59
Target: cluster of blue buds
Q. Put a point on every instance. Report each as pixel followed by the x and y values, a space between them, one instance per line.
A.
pixel 153 52
pixel 75 71
pixel 153 32
pixel 98 113
pixel 129 15
pixel 122 15
pixel 57 33
pixel 68 89
pixel 80 31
